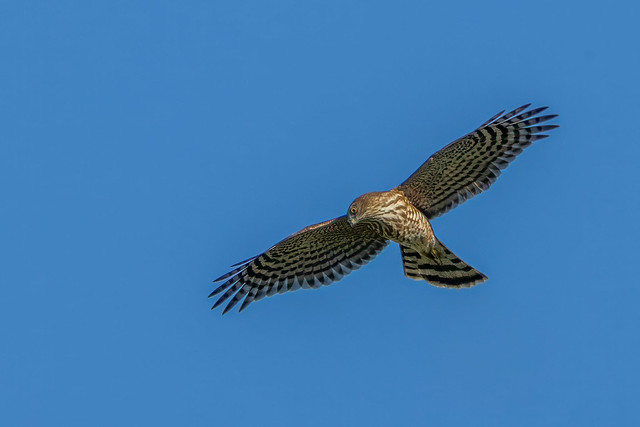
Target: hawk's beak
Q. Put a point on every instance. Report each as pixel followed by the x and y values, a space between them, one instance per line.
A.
pixel 350 220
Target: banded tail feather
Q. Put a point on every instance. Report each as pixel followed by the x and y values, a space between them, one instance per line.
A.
pixel 443 270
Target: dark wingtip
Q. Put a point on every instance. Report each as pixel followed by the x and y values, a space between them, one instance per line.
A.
pixel 234 300
pixel 240 265
pixel 245 304
pixel 493 118
pixel 544 128
pixel 222 287
pixel 538 137
pixel 536 111
pixel 224 276
pixel 245 261
pixel 540 119
pixel 219 302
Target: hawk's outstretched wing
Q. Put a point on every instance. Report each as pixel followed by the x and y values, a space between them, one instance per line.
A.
pixel 317 255
pixel 472 163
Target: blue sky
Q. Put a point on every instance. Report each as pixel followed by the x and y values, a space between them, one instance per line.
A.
pixel 146 146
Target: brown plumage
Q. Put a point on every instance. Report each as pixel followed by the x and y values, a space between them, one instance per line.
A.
pixel 321 254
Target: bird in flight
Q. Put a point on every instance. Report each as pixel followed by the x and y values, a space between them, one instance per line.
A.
pixel 323 253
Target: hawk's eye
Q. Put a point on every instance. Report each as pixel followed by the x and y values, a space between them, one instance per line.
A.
pixel 353 210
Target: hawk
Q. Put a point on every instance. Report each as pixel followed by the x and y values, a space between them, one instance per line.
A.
pixel 323 253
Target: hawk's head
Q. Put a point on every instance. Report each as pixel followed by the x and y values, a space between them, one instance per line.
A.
pixel 352 212
pixel 373 207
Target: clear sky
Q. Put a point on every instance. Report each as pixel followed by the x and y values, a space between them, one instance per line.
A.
pixel 147 146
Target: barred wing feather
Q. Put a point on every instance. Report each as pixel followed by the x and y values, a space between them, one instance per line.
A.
pixel 316 255
pixel 470 165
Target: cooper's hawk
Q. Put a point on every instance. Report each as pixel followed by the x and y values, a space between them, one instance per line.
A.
pixel 321 254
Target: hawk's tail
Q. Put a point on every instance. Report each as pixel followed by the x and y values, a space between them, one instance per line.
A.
pixel 441 268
